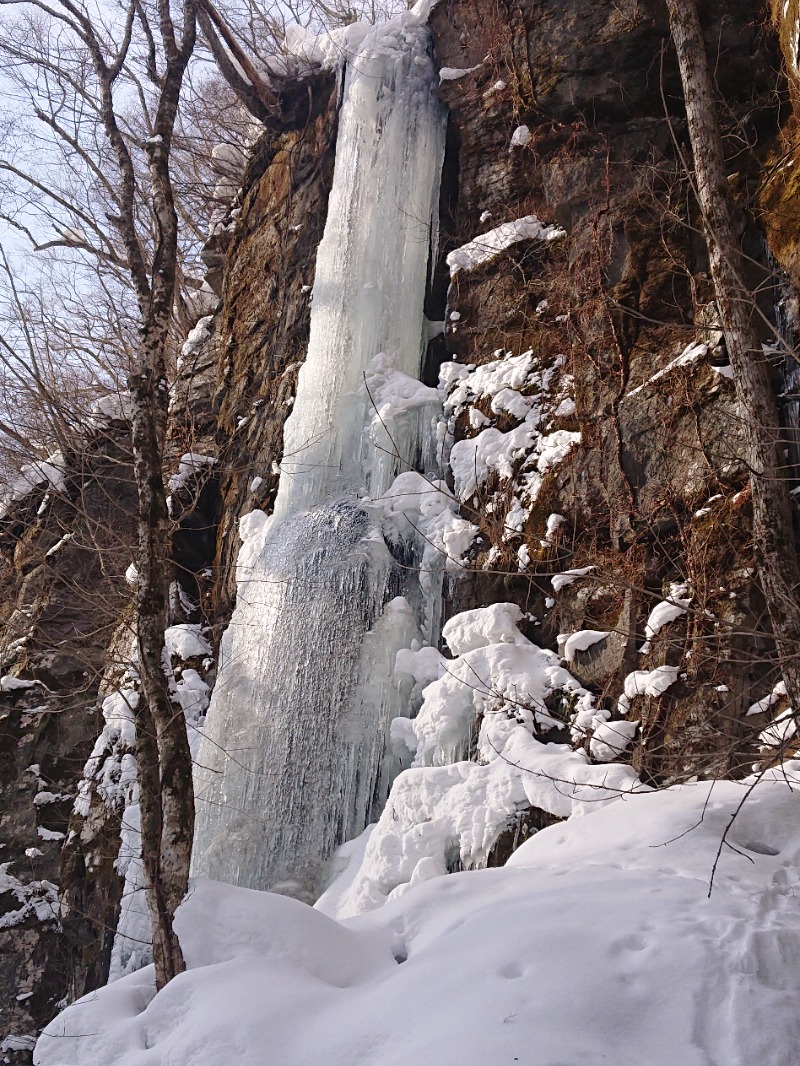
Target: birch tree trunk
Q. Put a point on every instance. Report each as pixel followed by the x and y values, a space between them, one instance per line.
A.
pixel 773 527
pixel 166 795
pixel 164 759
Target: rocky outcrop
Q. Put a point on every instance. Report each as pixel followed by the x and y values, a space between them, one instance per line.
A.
pixel 65 549
pixel 262 326
pixel 780 177
pixel 656 490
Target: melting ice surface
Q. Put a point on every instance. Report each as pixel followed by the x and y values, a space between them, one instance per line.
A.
pixel 292 762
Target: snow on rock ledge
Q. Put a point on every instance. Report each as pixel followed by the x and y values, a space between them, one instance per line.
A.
pixel 496 624
pixel 190 464
pixel 665 612
pixel 582 641
pixel 42 472
pixel 523 388
pixel 647 683
pixel 569 577
pixel 186 641
pixel 489 245
pixel 449 809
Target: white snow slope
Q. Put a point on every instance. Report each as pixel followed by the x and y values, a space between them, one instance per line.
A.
pixel 595 945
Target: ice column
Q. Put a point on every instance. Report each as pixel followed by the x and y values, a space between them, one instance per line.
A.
pixel 292 762
pixel 371 263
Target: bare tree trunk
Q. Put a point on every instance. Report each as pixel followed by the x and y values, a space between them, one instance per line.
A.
pixel 164 761
pixel 166 793
pixel 165 767
pixel 773 527
pixel 143 244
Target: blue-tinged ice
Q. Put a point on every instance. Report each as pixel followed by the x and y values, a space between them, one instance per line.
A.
pixel 295 756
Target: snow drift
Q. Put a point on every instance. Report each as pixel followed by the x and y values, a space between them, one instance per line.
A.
pixel 596 944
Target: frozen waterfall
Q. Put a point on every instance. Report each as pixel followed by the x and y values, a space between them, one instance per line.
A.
pixel 293 758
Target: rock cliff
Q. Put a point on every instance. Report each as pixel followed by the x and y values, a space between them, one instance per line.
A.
pixel 570 113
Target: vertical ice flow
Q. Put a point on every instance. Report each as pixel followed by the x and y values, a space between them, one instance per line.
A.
pixel 371 264
pixel 292 761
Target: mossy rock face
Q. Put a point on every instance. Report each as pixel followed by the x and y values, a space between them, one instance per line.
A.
pixel 603 665
pixel 779 198
pixel 786 16
pixel 779 189
pixel 262 326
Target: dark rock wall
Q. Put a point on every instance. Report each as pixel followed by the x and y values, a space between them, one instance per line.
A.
pixel 262 327
pixel 62 564
pixel 625 292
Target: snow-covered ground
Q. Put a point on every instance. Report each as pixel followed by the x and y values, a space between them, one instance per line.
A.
pixel 596 944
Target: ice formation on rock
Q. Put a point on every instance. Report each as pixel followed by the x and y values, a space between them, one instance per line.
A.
pixel 484 750
pixel 293 758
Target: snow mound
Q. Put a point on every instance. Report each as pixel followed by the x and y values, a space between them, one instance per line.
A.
pixel 496 624
pixel 596 943
pixel 647 683
pixel 186 641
